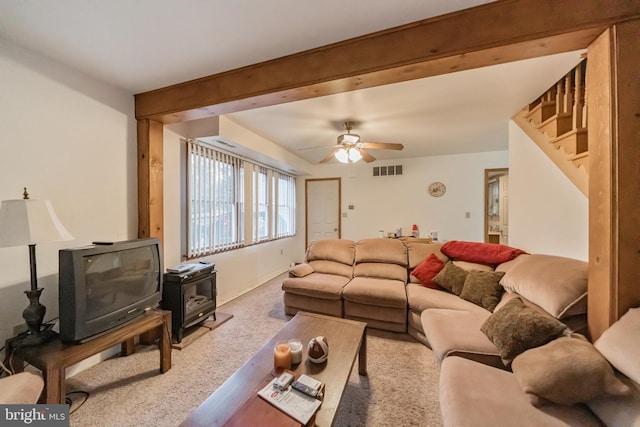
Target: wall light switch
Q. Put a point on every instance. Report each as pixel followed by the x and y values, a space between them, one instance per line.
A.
pixel 344 214
pixel 467 215
pixel 351 207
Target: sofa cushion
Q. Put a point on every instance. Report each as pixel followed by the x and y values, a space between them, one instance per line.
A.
pixel 377 292
pixel 420 298
pixel 620 344
pixel 482 253
pixel 21 388
pixel 380 270
pixel 418 252
pixel 455 332
pixel 338 250
pixel 319 285
pixel 556 284
pixel 517 327
pixel 472 394
pixel 619 411
pixel 332 267
pixel 427 270
pixel 466 265
pixel 451 278
pixel 566 371
pixel 483 288
pixel 390 251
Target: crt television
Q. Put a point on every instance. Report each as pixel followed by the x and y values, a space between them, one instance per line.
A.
pixel 104 286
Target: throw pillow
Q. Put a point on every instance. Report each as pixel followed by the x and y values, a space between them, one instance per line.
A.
pixel 482 253
pixel 300 270
pixel 517 327
pixel 483 288
pixel 451 277
pixel 566 371
pixel 427 270
pixel 554 283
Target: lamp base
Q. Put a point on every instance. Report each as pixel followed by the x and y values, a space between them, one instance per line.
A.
pixel 37 339
pixel 33 316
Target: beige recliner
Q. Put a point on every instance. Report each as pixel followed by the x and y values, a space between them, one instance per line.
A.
pixel 21 388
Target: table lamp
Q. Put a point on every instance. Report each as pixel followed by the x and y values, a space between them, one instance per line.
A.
pixel 30 222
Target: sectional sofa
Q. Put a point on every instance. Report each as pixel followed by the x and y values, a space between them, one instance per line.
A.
pixel 480 307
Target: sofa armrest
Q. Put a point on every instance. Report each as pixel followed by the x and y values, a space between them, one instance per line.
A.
pixel 301 270
pixel 21 388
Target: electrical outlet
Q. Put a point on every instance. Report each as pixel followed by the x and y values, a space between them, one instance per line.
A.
pixel 18 329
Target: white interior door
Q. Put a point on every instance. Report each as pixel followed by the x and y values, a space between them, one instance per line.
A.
pixel 323 209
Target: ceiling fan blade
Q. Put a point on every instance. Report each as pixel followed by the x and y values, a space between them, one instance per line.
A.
pixel 382 145
pixel 366 156
pixel 329 157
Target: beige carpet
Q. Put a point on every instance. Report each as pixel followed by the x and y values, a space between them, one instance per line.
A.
pixel 399 390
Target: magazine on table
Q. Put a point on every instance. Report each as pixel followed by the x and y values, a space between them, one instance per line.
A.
pixel 297 405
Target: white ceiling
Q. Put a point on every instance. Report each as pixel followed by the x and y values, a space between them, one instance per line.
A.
pixel 142 45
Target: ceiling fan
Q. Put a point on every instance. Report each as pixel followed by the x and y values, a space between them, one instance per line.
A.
pixel 350 149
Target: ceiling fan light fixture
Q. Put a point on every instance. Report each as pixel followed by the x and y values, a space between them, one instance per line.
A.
pixel 348 138
pixel 342 155
pixel 354 155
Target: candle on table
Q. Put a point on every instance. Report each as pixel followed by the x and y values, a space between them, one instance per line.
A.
pixel 295 345
pixel 282 356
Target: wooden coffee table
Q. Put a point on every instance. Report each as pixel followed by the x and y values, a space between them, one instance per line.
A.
pixel 347 339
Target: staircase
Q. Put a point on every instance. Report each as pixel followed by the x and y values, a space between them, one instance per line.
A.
pixel 557 122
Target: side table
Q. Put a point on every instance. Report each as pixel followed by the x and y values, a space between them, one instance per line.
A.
pixel 55 356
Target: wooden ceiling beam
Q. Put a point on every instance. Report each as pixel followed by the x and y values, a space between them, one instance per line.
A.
pixel 489 34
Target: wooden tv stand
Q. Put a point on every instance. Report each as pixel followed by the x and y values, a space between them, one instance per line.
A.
pixel 54 357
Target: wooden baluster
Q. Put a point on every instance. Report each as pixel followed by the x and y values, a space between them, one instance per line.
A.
pixel 568 92
pixel 559 98
pixel 583 66
pixel 579 101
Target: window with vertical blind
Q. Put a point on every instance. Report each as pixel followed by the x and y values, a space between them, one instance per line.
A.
pixel 220 186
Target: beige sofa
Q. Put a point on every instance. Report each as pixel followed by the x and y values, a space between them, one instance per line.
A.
pixel 362 280
pixel 470 322
pixel 474 394
pixel 21 388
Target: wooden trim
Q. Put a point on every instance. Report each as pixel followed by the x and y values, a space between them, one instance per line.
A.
pixel 578 176
pixel 488 172
pixel 494 33
pixel 306 206
pixel 626 171
pixel 150 184
pixel 613 93
pixel 601 276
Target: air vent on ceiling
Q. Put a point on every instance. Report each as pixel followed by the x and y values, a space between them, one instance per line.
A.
pixel 223 142
pixel 387 170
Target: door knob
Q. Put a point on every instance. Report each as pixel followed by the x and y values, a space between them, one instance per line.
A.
pixel 335 229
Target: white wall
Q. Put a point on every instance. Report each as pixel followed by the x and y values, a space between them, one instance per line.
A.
pixel 387 202
pixel 547 213
pixel 72 140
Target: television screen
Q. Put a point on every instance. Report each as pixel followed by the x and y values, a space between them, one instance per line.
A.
pixel 119 279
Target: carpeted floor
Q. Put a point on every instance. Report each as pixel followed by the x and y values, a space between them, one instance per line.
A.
pixel 401 388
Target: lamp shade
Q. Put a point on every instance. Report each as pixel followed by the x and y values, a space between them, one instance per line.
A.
pixel 30 222
pixel 354 155
pixel 342 155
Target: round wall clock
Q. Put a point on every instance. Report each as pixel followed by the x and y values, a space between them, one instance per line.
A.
pixel 437 189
